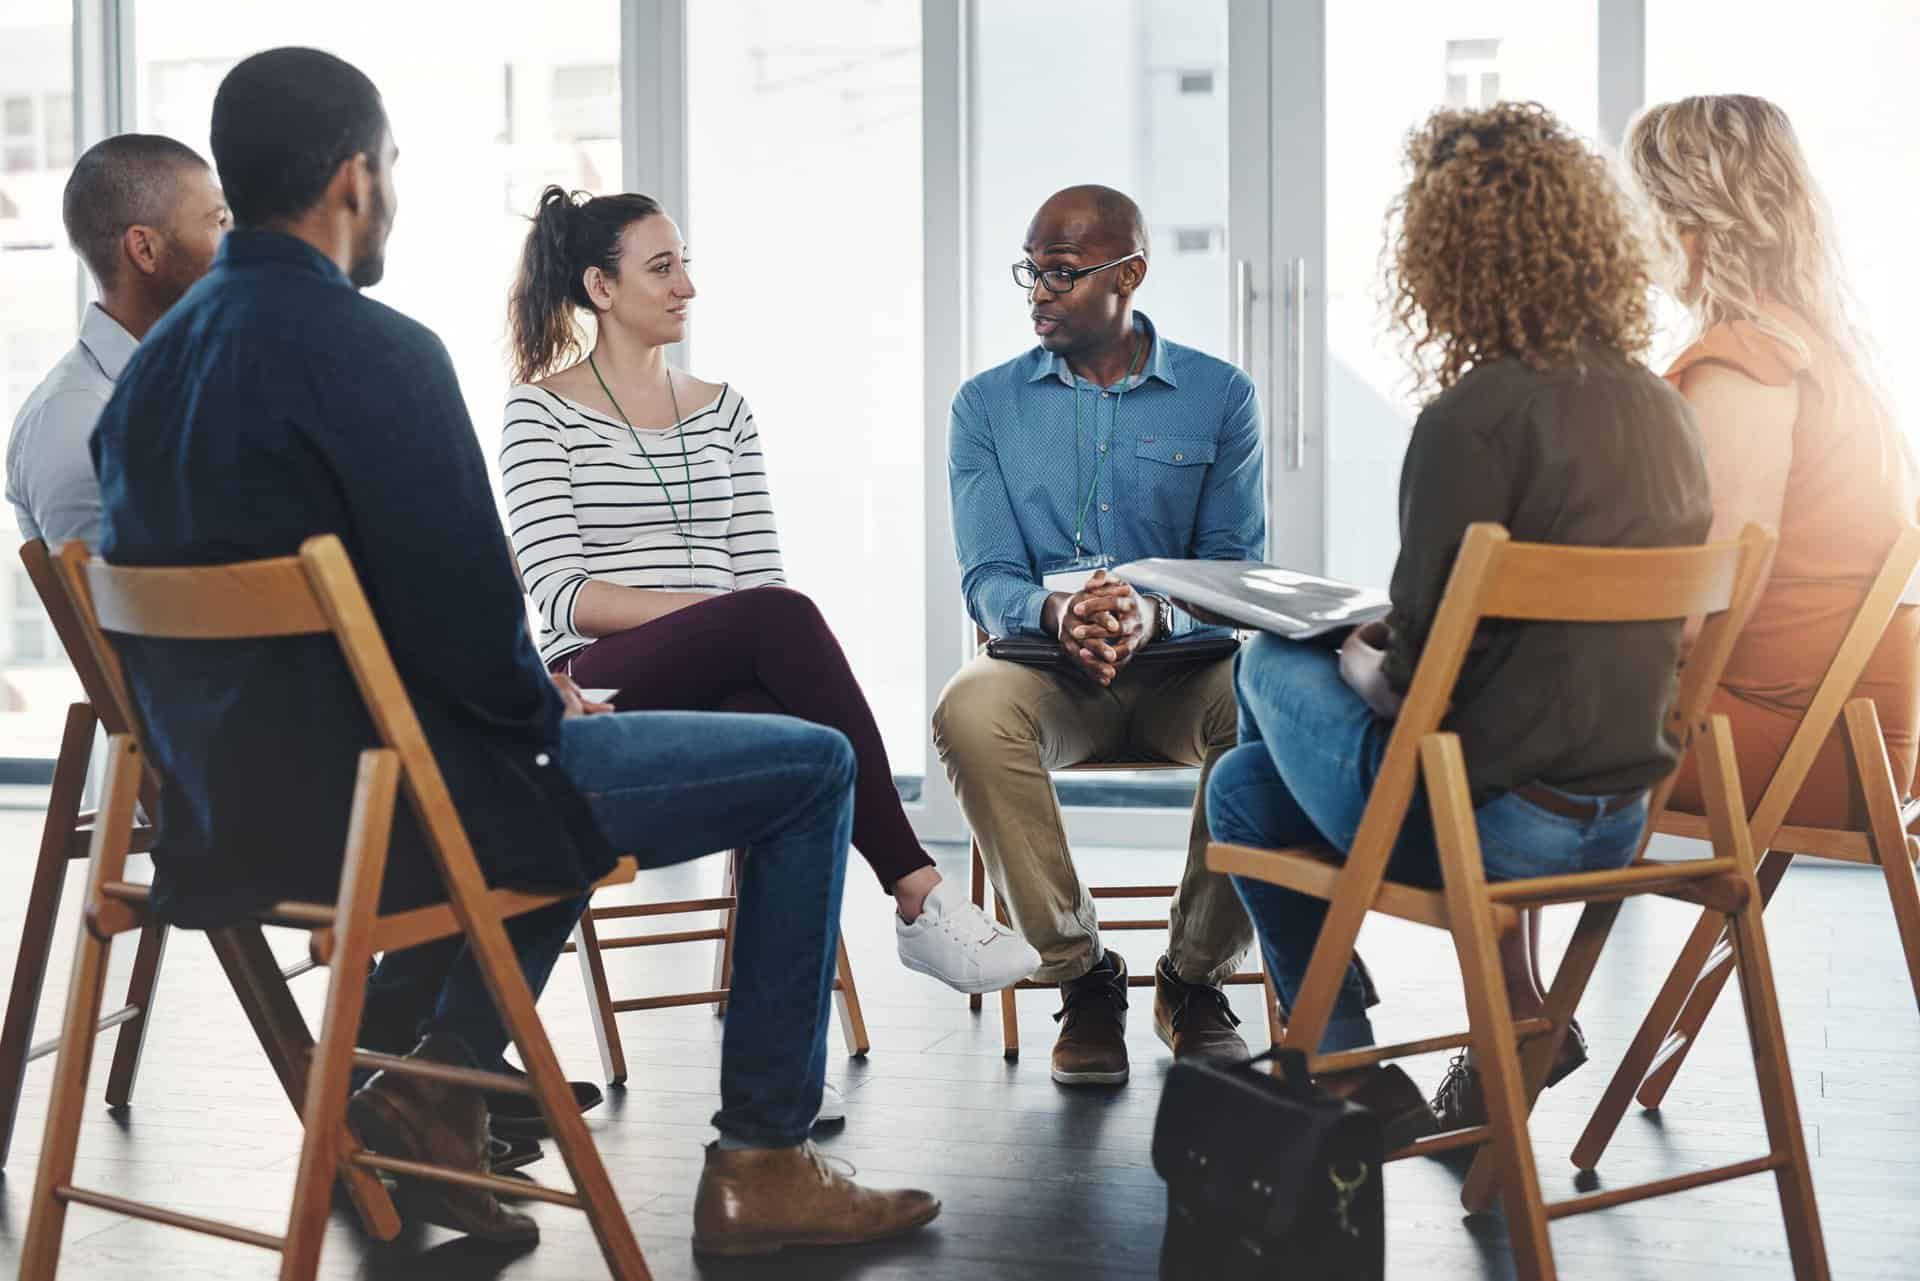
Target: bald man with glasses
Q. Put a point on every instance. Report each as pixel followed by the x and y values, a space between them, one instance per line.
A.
pixel 1103 444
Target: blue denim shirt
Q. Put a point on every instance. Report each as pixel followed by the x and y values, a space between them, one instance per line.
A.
pixel 1166 463
pixel 273 403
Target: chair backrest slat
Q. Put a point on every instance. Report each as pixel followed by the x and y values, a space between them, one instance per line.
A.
pixel 1542 582
pixel 250 600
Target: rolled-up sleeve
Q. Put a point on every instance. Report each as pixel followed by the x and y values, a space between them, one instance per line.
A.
pixel 997 576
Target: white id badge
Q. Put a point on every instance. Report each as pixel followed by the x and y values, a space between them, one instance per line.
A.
pixel 1070 576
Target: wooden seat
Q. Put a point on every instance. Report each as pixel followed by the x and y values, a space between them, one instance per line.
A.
pixel 977 887
pixel 603 1009
pixel 1495 578
pixel 1679 1011
pixel 66 837
pixel 313 593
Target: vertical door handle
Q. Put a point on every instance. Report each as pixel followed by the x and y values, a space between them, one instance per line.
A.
pixel 1243 315
pixel 1296 439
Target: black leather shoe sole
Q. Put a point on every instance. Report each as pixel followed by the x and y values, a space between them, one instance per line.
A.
pixel 517 1116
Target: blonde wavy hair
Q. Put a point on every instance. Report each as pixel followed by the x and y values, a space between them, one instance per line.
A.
pixel 1511 239
pixel 1725 172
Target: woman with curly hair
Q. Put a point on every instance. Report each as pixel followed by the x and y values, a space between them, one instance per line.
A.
pixel 1796 435
pixel 1517 283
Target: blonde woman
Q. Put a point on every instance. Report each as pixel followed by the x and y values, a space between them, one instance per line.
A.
pixel 1796 435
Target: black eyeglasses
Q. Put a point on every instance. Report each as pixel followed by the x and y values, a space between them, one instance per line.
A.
pixel 1059 280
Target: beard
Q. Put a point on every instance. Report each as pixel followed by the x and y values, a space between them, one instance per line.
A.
pixel 370 255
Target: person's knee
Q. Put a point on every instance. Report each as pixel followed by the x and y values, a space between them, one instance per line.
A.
pixel 1229 818
pixel 830 751
pixel 976 718
pixel 784 609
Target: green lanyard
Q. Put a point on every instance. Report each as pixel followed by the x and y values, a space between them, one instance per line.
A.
pixel 1086 504
pixel 686 464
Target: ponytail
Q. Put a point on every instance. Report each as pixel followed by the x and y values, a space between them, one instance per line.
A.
pixel 571 232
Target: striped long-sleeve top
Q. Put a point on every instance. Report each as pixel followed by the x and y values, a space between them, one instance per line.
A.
pixel 585 503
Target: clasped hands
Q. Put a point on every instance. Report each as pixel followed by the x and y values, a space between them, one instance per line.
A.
pixel 1100 627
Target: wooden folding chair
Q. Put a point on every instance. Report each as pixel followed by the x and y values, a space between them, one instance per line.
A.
pixel 1496 578
pixel 603 1008
pixel 1673 1024
pixel 314 593
pixel 977 887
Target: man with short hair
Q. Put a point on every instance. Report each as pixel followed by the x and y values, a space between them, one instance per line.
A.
pixel 146 215
pixel 1104 444
pixel 276 403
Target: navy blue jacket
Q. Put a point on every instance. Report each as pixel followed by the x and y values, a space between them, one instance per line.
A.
pixel 272 403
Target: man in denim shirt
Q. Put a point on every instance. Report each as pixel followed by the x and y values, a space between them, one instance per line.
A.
pixel 1104 444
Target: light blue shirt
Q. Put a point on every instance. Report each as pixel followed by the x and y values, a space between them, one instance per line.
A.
pixel 1167 463
pixel 50 479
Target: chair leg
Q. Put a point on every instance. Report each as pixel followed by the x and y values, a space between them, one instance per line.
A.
pixel 846 996
pixel 1009 1008
pixel 507 982
pixel 1720 785
pixel 43 910
pixel 281 1029
pixel 723 947
pixel 324 1117
pixel 1489 1017
pixel 1772 868
pixel 47 1215
pixel 1276 1026
pixel 1892 847
pixel 1536 1061
pixel 132 1036
pixel 606 1025
pixel 977 888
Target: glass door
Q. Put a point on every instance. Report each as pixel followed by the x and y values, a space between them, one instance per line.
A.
pixel 1381 70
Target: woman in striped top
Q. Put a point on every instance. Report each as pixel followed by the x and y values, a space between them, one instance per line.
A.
pixel 642 522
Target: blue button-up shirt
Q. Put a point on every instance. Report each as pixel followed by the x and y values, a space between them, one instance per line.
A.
pixel 1166 462
pixel 272 403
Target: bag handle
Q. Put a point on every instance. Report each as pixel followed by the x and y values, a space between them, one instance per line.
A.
pixel 1293 1066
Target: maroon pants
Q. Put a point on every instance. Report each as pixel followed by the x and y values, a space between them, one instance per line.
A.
pixel 766 649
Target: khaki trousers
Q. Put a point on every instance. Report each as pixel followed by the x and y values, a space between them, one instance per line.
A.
pixel 1000 727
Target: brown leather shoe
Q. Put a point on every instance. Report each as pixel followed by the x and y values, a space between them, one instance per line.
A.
pixel 759 1200
pixel 1389 1093
pixel 1459 1102
pixel 416 1119
pixel 1092 1046
pixel 1193 1019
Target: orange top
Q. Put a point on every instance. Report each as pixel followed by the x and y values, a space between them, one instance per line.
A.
pixel 1851 489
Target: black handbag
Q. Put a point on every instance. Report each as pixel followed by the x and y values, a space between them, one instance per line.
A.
pixel 1267 1177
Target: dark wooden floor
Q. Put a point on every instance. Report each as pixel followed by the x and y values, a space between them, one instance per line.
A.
pixel 1041 1182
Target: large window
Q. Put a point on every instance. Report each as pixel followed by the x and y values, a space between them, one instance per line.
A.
pixel 486 110
pixel 38 305
pixel 1846 80
pixel 805 231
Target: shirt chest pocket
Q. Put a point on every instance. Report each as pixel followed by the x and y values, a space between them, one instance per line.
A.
pixel 1168 473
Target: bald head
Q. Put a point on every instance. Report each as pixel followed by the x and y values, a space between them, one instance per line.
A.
pixel 1090 216
pixel 135 179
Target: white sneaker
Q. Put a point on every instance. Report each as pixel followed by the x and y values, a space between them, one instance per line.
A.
pixel 833 1105
pixel 957 943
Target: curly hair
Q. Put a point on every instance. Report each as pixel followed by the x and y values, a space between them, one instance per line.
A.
pixel 1511 239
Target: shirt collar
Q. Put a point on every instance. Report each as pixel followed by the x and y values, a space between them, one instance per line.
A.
pixel 110 345
pixel 248 245
pixel 1047 364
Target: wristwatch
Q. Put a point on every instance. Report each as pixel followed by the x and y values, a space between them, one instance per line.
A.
pixel 1162 615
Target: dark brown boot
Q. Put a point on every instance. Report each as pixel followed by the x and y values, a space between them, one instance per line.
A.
pixel 759 1200
pixel 1389 1093
pixel 1092 1046
pixel 1459 1102
pixel 1193 1019
pixel 416 1119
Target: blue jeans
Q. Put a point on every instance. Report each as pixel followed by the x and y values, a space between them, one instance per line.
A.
pixel 1310 749
pixel 667 787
